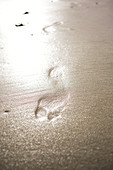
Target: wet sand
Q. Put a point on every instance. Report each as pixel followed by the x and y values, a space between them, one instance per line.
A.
pixel 56 85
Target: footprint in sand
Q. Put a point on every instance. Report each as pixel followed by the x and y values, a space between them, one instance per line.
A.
pixel 56 76
pixel 51 28
pixel 50 106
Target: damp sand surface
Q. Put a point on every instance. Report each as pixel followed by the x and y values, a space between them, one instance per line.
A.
pixel 56 84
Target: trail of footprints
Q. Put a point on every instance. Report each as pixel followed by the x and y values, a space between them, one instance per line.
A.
pixel 50 106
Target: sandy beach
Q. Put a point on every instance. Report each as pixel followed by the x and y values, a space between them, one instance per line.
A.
pixel 56 85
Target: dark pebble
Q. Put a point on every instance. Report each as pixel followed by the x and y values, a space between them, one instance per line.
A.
pixel 6 111
pixel 26 12
pixel 19 25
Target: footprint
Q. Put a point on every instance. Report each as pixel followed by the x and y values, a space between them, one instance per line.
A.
pixel 51 28
pixel 51 106
pixel 56 76
pixel 50 71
